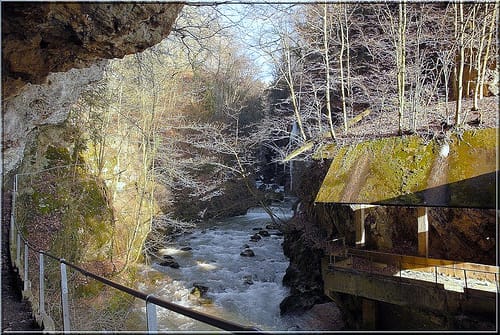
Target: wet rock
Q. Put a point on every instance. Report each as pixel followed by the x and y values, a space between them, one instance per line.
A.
pixel 247 253
pixel 264 233
pixel 255 238
pixel 169 261
pixel 246 246
pixel 199 294
pixel 256 228
pixel 248 280
pixel 186 249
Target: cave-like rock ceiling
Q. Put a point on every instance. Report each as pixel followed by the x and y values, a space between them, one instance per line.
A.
pixel 40 38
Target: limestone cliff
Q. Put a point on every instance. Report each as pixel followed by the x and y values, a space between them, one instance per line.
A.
pixel 40 38
pixel 42 42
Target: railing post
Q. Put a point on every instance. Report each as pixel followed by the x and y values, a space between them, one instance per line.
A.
pixel 465 279
pixel 151 316
pixel 41 291
pixel 436 273
pixel 14 196
pixel 12 228
pixel 13 208
pixel 26 286
pixel 18 250
pixel 64 297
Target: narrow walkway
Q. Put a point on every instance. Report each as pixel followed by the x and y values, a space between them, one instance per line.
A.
pixel 475 276
pixel 16 312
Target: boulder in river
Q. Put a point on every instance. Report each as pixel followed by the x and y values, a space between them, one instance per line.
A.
pixel 255 237
pixel 272 226
pixel 263 233
pixel 186 248
pixel 247 253
pixel 248 280
pixel 169 261
pixel 199 294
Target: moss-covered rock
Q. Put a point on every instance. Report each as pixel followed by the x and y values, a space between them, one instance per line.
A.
pixel 410 171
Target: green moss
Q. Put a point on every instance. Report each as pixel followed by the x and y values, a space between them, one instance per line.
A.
pixel 472 178
pixel 473 155
pixel 90 290
pixel 378 170
pixel 58 156
pixel 397 170
pixel 44 203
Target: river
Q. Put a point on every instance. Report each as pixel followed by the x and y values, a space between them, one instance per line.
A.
pixel 246 290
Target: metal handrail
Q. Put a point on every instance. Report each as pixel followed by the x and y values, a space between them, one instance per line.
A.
pixel 369 257
pixel 150 299
pixel 413 263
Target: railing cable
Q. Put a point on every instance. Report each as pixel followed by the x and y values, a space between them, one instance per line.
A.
pixel 150 299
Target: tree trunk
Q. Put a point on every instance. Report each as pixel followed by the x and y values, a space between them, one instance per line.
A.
pixel 488 46
pixel 459 26
pixel 327 70
pixel 341 65
pixel 401 50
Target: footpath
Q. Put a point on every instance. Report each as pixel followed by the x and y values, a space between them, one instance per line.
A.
pixel 16 312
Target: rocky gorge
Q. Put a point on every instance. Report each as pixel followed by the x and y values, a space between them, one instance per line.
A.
pixel 64 47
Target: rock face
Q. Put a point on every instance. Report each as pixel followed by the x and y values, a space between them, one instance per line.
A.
pixel 51 51
pixel 303 247
pixel 40 38
pixel 41 105
pixel 303 275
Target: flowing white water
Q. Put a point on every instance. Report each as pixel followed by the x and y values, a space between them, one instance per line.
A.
pixel 215 262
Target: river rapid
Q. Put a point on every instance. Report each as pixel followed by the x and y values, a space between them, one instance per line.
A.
pixel 245 290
